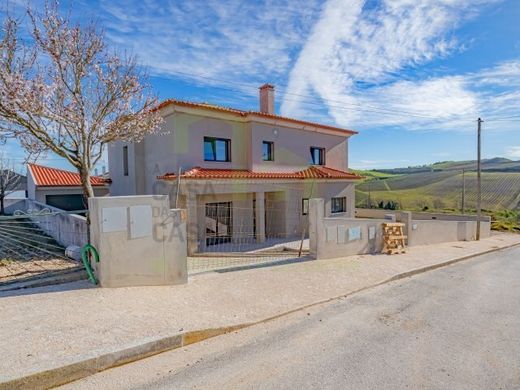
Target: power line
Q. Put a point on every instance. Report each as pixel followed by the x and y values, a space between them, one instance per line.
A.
pixel 344 105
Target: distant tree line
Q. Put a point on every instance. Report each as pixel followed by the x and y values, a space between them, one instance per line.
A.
pixel 390 205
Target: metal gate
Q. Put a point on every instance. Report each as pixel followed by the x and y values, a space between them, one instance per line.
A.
pixel 32 245
pixel 219 223
pixel 233 239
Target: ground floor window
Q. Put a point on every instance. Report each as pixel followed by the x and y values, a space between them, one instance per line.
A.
pixel 338 205
pixel 305 206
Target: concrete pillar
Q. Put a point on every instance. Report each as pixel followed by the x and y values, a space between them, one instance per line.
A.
pixel 192 225
pixel 260 216
pixel 316 230
pixel 406 218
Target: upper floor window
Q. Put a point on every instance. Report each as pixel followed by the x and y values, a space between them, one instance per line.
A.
pixel 217 149
pixel 317 156
pixel 268 151
pixel 125 160
pixel 338 205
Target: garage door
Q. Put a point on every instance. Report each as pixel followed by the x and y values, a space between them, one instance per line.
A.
pixel 66 202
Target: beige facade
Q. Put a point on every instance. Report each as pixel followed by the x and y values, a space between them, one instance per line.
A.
pixel 260 207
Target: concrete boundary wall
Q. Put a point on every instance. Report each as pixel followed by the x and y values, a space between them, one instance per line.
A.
pixel 66 229
pixel 140 241
pixel 400 215
pixel 448 217
pixel 13 204
pixel 338 237
pixel 434 231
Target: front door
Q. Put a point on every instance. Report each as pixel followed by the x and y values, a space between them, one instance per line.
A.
pixel 218 223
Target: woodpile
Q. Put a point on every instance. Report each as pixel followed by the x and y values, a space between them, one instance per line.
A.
pixel 394 238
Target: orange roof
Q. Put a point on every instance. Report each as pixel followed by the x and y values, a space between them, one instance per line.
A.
pixel 313 172
pixel 53 177
pixel 249 113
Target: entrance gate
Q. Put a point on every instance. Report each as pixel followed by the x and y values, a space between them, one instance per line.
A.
pixel 219 226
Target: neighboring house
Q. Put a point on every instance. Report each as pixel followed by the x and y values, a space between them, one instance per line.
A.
pixel 245 175
pixel 60 188
pixel 13 188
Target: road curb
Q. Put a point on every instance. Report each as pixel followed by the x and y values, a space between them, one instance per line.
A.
pixel 71 372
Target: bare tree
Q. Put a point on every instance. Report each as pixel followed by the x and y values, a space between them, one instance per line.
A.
pixel 10 181
pixel 64 91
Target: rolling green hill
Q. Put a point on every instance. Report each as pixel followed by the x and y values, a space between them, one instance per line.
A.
pixel 439 186
pixel 497 164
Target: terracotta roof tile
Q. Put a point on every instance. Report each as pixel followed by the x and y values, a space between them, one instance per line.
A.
pixel 244 113
pixel 313 172
pixel 53 177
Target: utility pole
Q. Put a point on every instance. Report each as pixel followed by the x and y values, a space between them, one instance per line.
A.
pixel 479 179
pixel 369 201
pixel 463 205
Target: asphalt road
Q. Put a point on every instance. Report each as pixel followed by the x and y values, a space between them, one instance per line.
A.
pixel 452 328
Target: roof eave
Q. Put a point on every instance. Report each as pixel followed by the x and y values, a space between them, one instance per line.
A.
pixel 245 114
pixel 173 178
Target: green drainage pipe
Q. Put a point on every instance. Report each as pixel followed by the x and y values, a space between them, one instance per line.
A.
pixel 86 261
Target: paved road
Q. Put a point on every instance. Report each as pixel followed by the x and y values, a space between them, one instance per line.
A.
pixel 453 328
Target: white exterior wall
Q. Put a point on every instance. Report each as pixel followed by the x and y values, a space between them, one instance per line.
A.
pixel 31 187
pixel 122 185
pixel 180 144
pixel 292 148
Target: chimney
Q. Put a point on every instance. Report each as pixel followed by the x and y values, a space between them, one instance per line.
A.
pixel 267 99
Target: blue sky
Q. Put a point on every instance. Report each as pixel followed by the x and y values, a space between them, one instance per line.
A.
pixel 412 76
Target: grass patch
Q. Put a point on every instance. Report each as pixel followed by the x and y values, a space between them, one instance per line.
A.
pixel 6 261
pixel 373 175
pixel 506 220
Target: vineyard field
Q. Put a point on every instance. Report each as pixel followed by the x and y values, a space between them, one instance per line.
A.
pixel 442 191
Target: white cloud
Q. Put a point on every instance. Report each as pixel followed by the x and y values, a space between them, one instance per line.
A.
pixel 505 74
pixel 513 152
pixel 373 164
pixel 416 104
pixel 230 40
pixel 356 61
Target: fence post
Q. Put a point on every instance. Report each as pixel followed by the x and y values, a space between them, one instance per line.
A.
pixel 192 226
pixel 406 218
pixel 316 215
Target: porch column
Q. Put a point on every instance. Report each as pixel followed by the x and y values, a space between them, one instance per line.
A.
pixel 192 226
pixel 260 216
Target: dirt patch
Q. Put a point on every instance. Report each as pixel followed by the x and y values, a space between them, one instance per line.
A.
pixel 12 269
